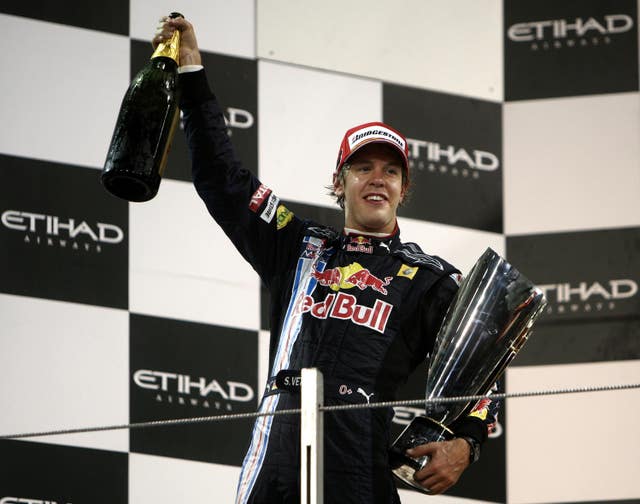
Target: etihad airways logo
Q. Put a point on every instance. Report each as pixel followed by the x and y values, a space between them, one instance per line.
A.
pixel 559 33
pixel 450 159
pixel 588 296
pixel 238 118
pixel 403 415
pixel 176 388
pixel 52 230
pixel 235 118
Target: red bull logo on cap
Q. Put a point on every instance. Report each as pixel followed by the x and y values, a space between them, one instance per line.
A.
pixel 347 277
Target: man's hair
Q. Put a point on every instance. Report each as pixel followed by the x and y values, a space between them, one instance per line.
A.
pixel 341 179
pixel 342 176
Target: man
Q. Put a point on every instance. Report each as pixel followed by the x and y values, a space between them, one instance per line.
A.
pixel 360 305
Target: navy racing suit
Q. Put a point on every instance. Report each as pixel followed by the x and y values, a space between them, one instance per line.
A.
pixel 364 310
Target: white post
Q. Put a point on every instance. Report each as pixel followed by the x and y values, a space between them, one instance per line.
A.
pixel 311 438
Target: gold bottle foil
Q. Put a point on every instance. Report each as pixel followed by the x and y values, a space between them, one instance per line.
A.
pixel 169 49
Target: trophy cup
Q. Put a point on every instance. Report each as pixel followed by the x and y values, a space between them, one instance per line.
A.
pixel 488 322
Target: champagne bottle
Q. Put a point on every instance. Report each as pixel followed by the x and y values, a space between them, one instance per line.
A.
pixel 146 123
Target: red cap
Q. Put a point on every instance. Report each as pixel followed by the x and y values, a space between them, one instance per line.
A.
pixel 373 132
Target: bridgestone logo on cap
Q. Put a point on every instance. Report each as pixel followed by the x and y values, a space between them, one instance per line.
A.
pixel 375 133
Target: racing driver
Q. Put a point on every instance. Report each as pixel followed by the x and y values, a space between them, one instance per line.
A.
pixel 360 305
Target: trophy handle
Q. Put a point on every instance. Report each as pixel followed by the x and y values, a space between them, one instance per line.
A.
pixel 420 431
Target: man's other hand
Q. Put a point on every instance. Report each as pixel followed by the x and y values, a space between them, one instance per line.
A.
pixel 447 461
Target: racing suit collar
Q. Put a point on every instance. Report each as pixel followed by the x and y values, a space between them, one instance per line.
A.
pixel 354 240
pixel 378 236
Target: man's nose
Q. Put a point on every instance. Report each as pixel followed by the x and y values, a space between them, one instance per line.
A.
pixel 377 175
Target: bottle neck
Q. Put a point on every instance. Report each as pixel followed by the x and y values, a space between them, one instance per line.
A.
pixel 169 49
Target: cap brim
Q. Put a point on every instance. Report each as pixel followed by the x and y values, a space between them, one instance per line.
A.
pixel 395 146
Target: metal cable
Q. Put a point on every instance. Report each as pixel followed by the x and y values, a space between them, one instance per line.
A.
pixel 500 396
pixel 386 404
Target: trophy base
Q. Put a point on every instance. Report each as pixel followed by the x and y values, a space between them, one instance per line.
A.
pixel 420 431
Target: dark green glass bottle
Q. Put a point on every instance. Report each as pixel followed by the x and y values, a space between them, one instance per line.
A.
pixel 142 137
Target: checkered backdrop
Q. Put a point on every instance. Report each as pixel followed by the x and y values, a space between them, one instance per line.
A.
pixel 523 119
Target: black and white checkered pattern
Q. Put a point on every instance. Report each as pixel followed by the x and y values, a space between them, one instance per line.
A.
pixel 523 119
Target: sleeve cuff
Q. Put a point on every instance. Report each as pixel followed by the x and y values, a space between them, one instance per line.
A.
pixel 472 427
pixel 189 68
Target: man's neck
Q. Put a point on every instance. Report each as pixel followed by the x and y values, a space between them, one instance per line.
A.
pixel 353 231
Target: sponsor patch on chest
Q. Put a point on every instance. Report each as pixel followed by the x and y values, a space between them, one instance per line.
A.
pixel 353 275
pixel 343 306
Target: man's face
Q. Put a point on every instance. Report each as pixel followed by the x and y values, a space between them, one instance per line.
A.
pixel 372 189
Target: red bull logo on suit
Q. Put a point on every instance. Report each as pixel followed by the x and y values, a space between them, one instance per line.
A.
pixel 347 277
pixel 343 306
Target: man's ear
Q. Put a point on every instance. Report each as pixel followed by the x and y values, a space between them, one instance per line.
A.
pixel 338 188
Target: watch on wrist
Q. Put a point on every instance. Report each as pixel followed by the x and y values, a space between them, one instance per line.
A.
pixel 474 449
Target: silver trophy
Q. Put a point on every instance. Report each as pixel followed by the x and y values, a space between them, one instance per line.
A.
pixel 488 322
